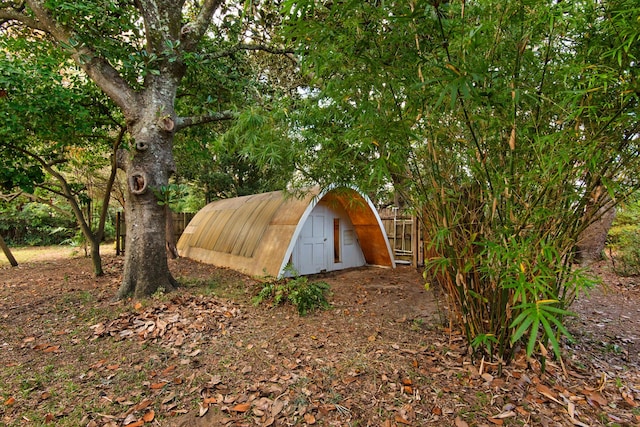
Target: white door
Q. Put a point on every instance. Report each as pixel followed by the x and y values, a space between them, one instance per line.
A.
pixel 311 254
pixel 327 242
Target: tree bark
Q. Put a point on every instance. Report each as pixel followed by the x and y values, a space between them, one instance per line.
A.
pixel 148 165
pixel 8 253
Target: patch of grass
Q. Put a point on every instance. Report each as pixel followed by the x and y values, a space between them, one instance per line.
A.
pixel 208 286
pixel 306 296
pixel 216 286
pixel 417 325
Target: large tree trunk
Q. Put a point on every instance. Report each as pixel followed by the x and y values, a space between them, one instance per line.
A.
pixel 148 164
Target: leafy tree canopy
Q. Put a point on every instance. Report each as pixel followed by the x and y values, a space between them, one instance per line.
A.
pixel 506 125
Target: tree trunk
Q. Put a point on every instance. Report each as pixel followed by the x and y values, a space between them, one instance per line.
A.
pixel 148 164
pixel 592 240
pixel 8 253
pixel 96 259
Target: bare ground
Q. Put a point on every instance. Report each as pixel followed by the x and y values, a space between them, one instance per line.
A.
pixel 383 355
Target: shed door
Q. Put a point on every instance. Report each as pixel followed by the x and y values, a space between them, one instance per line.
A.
pixel 327 242
pixel 311 253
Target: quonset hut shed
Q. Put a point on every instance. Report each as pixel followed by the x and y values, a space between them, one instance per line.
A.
pixel 261 234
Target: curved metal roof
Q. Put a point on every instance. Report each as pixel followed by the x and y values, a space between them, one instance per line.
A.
pixel 256 234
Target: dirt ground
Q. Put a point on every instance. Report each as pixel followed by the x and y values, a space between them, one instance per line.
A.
pixel 383 355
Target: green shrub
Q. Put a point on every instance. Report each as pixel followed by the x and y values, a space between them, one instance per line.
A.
pixel 33 223
pixel 624 240
pixel 304 295
pixel 626 259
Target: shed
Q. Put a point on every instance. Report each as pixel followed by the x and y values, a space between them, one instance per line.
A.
pixel 261 234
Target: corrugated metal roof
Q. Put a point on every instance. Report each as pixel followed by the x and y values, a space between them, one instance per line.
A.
pixel 255 234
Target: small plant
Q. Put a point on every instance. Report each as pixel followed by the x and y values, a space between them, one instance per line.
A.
pixel 160 294
pixel 306 296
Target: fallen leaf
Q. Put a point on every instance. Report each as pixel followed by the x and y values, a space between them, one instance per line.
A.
pixel 132 421
pixel 629 399
pixel 496 421
pixel 52 349
pixel 168 370
pixel 277 407
pixel 460 422
pixel 571 409
pixel 143 404
pixel 156 386
pixel 597 398
pixel 149 416
pixel 241 407
pixel 49 418
pixel 547 392
pixel 401 420
pixel 309 418
pixel 10 401
pixel 505 414
pixel 203 409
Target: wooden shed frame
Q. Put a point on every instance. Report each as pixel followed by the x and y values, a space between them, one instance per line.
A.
pixel 257 234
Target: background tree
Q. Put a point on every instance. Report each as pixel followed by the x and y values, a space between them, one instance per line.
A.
pixel 508 126
pixel 138 54
pixel 55 121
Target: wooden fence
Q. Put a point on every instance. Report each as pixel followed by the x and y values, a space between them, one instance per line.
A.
pixel 405 236
pixel 180 222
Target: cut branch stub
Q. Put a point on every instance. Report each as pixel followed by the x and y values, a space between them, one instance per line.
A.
pixel 167 124
pixel 141 146
pixel 138 182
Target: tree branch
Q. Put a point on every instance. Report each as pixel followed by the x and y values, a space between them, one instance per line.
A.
pixel 253 47
pixel 183 122
pixel 10 197
pixel 96 67
pixel 7 15
pixel 193 31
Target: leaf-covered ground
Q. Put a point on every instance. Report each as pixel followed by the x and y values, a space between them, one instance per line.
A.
pixel 384 355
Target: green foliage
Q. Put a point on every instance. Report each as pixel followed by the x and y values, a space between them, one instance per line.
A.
pixel 235 160
pixel 503 124
pixel 540 313
pixel 624 239
pixel 33 224
pixel 306 296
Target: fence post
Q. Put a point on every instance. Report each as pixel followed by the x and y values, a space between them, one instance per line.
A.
pixel 119 249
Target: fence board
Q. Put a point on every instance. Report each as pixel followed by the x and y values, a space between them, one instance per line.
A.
pixel 180 222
